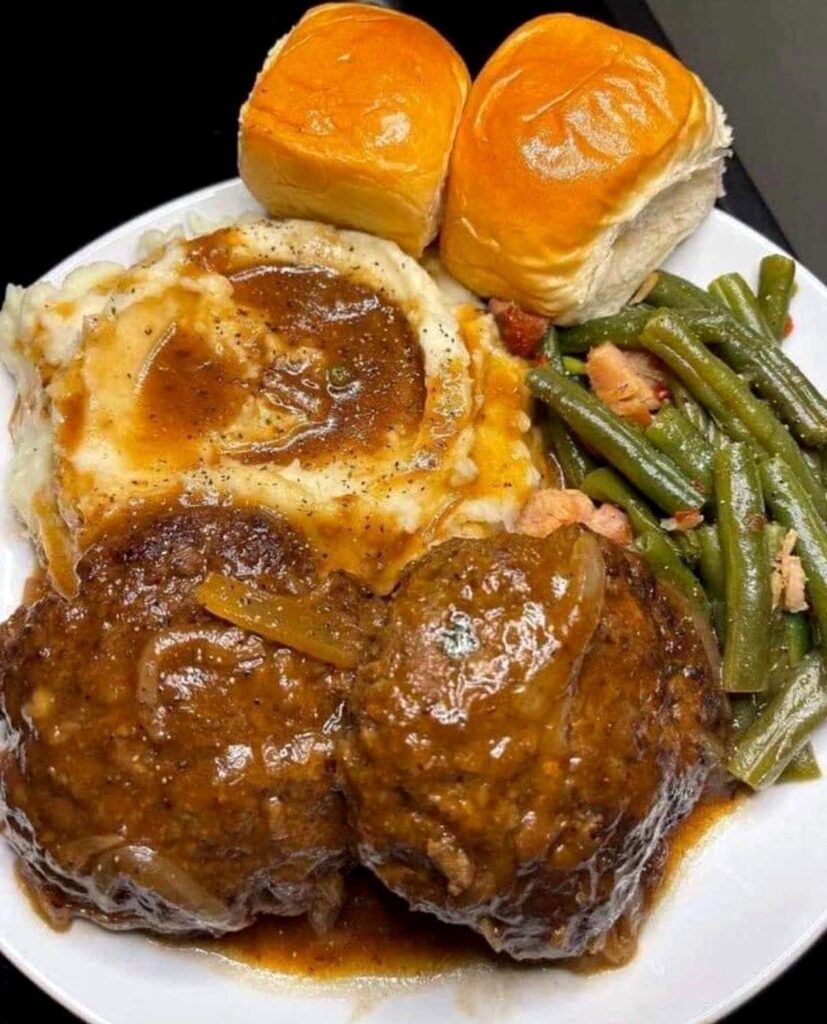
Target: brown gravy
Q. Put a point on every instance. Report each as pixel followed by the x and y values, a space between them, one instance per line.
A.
pixel 706 816
pixel 186 390
pixel 314 365
pixel 377 936
pixel 350 368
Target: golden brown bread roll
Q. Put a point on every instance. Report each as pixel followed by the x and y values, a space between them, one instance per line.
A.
pixel 351 121
pixel 584 155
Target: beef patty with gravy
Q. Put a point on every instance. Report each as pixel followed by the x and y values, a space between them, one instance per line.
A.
pixel 166 770
pixel 530 721
pixel 537 717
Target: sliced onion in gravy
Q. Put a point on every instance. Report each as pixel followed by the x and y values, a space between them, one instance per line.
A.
pixel 301 622
pixel 144 867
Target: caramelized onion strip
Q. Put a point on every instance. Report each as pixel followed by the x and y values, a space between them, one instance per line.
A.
pixel 79 852
pixel 145 867
pixel 226 646
pixel 295 621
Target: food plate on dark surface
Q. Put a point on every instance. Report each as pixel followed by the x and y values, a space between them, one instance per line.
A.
pixel 382 631
pixel 737 876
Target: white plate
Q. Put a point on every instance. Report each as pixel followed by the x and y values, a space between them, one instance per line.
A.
pixel 746 903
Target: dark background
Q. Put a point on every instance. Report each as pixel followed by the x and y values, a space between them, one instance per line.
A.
pixel 105 117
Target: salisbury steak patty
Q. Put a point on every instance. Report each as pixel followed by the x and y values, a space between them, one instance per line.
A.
pixel 165 769
pixel 538 716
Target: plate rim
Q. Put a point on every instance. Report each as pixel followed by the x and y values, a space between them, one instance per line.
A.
pixel 86 253
pixel 127 227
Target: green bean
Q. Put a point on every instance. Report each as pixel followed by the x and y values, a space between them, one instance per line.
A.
pixel 605 485
pixel 745 708
pixel 740 509
pixel 686 541
pixel 711 568
pixel 790 637
pixel 790 641
pixel 782 656
pixel 574 367
pixel 674 435
pixel 794 641
pixel 675 292
pixel 797 634
pixel 550 347
pixel 775 289
pixel 688 405
pixel 711 561
pixel 815 460
pixel 778 664
pixel 669 337
pixel 792 507
pixel 730 401
pixel 804 766
pixel 743 712
pixel 623 329
pixel 774 534
pixel 655 476
pixel 574 463
pixel 768 745
pixel 774 375
pixel 660 556
pixel 732 291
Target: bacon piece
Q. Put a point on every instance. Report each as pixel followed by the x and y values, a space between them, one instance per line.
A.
pixel 683 520
pixel 549 509
pixel 611 522
pixel 521 332
pixel 652 370
pixel 632 384
pixel 788 578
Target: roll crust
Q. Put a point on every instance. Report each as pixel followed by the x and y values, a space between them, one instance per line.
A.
pixel 583 156
pixel 351 121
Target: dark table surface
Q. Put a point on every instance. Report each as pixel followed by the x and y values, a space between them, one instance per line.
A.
pixel 106 117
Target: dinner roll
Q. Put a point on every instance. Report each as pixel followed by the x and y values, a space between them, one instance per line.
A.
pixel 583 157
pixel 351 121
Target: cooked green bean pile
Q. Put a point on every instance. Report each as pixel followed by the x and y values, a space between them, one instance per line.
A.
pixel 724 489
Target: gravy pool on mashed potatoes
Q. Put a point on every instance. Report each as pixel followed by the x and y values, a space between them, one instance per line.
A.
pixel 316 372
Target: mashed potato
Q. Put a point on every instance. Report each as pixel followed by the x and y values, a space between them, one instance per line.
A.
pixel 316 372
